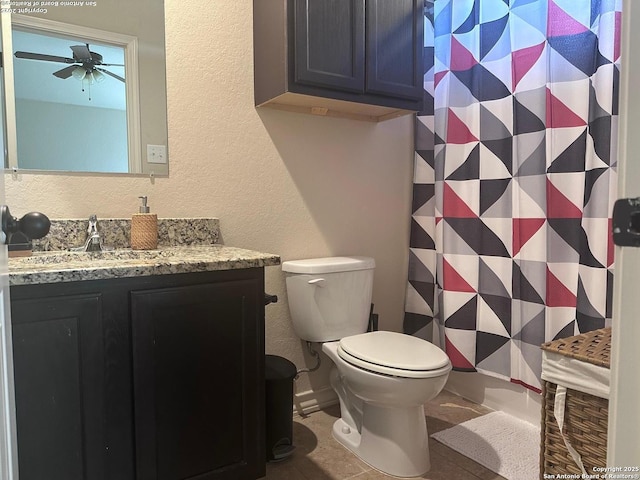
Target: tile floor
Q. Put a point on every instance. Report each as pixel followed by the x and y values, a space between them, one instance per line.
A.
pixel 319 457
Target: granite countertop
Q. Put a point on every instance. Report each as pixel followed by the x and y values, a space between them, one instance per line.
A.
pixel 66 266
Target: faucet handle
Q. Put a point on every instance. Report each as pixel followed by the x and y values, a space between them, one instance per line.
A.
pixel 93 224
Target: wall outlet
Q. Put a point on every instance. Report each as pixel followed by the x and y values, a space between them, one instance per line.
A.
pixel 156 154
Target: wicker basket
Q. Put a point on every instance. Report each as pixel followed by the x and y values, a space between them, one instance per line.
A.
pixel 585 415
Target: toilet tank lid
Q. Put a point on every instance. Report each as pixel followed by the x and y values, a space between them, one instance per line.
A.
pixel 328 265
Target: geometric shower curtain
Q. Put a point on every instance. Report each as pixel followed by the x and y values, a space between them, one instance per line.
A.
pixel 515 179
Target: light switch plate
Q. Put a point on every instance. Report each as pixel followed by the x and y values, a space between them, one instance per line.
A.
pixel 156 154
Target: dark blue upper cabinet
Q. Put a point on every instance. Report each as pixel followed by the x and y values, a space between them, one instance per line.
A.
pixel 356 58
pixel 395 31
pixel 329 44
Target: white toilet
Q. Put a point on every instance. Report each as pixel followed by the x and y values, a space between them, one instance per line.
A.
pixel 382 378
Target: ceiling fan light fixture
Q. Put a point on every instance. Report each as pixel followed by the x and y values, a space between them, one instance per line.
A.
pixel 79 73
pixel 98 76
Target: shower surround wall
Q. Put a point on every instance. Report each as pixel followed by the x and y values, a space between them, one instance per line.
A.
pixel 515 180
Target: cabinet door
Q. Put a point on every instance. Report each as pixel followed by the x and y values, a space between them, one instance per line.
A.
pixel 394 48
pixel 329 43
pixel 198 356
pixel 58 365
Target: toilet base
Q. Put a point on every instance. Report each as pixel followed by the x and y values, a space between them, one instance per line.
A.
pixel 403 451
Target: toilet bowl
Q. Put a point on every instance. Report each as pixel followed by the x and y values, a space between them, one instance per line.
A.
pixel 382 415
pixel 382 379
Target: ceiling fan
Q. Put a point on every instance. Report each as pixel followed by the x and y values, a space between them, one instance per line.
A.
pixel 85 64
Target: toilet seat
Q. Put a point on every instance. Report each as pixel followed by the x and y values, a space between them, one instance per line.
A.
pixel 395 354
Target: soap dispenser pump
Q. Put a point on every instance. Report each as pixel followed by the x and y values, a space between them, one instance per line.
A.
pixel 144 228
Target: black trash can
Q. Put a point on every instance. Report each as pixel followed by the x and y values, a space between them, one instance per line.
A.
pixel 279 375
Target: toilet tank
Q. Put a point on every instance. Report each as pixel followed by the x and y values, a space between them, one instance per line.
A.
pixel 329 298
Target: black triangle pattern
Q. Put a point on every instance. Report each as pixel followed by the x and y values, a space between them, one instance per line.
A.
pixel 522 288
pixel 600 131
pixel 428 103
pixel 490 33
pixel 533 331
pixel 590 179
pixel 572 47
pixel 595 110
pixel 482 84
pixel 584 304
pixel 427 156
pixel 503 149
pixel 573 158
pixel 428 60
pixel 525 121
pixel 501 306
pixel 586 323
pixel 422 193
pixel 425 290
pixel 487 344
pixel 567 331
pixel 478 236
pixel 609 294
pixel 423 137
pixel 616 87
pixel 491 191
pixel 572 232
pixel 470 169
pixel 413 322
pixel 419 238
pixel 472 20
pixel 418 271
pixel 465 317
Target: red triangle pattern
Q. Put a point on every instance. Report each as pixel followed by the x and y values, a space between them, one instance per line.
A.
pixel 523 230
pixel 559 206
pixel 454 206
pixel 461 58
pixel 453 281
pixel 457 131
pixel 558 295
pixel 559 115
pixel 617 33
pixel 523 60
pixel 438 76
pixel 457 359
pixel 526 385
pixel 559 23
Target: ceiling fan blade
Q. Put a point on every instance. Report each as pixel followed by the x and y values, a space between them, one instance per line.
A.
pixel 81 52
pixel 117 77
pixel 112 64
pixel 65 72
pixel 46 58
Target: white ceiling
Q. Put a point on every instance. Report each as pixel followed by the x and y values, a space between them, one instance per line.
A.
pixel 34 79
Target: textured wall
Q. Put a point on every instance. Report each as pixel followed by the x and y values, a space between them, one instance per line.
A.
pixel 299 186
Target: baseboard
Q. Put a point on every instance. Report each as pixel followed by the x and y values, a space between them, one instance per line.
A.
pixel 311 401
pixel 497 394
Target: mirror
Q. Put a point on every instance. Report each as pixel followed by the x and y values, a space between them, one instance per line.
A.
pixel 88 88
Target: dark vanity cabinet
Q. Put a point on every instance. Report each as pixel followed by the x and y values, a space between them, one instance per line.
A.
pixel 149 378
pixel 353 58
pixel 58 348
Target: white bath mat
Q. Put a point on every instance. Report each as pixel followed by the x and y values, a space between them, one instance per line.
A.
pixel 502 443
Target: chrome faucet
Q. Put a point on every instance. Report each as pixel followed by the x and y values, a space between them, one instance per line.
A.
pixel 94 240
